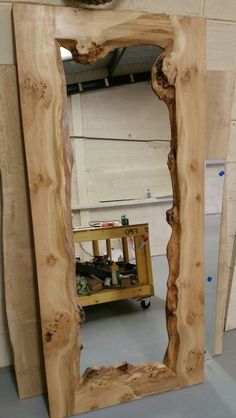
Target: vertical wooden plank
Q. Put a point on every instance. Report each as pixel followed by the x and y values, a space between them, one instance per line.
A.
pixel 185 297
pixel 223 278
pixel 140 260
pixel 149 262
pixel 190 49
pixel 95 248
pixel 230 318
pixel 49 162
pixel 108 247
pixel 125 249
pixel 6 358
pixel 227 232
pixel 18 251
pixel 230 322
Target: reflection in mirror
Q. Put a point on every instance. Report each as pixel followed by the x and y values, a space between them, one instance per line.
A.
pixel 120 135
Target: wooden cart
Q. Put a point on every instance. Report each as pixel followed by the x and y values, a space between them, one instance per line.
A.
pixel 140 235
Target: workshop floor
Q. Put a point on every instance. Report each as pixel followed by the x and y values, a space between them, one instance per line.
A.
pixel 123 331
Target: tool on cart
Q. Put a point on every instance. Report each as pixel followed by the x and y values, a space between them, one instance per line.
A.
pixel 104 224
pixel 93 275
pixel 114 274
pixel 108 281
pixel 124 220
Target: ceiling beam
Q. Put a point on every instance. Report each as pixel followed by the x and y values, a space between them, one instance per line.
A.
pixel 116 57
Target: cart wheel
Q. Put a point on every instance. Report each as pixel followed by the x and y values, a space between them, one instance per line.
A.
pixel 144 304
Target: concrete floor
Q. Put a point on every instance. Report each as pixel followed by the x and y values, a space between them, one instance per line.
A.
pixel 122 331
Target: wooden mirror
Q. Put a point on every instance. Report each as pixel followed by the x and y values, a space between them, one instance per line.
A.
pixel 178 78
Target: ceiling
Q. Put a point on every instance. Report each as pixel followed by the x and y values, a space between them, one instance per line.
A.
pixel 121 61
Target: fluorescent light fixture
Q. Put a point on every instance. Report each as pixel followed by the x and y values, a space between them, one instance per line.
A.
pixel 65 54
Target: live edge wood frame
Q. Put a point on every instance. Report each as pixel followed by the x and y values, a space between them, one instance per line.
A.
pixel 178 78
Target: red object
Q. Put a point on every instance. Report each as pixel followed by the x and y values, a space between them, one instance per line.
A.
pixel 106 224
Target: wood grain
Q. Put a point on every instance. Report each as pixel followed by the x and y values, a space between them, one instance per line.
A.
pixel 223 278
pixel 191 138
pixel 177 77
pixel 88 42
pixel 110 295
pixel 42 91
pixel 226 253
pixel 125 249
pixel 19 262
pixel 166 92
pixel 123 383
pixel 230 322
pixel 48 155
pixel 230 178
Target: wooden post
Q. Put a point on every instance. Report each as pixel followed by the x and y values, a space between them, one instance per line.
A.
pixel 95 248
pixel 108 247
pixel 125 250
pixel 140 260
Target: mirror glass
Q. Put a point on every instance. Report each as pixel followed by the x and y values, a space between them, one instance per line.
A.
pixel 120 135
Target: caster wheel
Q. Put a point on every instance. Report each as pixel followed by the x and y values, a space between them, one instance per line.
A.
pixel 144 304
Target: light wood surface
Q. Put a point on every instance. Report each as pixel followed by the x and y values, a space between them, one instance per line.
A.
pixel 85 234
pixel 140 256
pixel 108 248
pixel 118 384
pixel 95 248
pixel 191 123
pixel 125 248
pixel 48 155
pixel 230 322
pixel 227 233
pixel 18 254
pixel 185 251
pixel 108 295
pixel 88 42
pixel 49 166
pixel 222 279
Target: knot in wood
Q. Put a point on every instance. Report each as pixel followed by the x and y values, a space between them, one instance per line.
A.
pixel 172 215
pixel 191 317
pixel 51 260
pixel 160 83
pixel 124 367
pixel 36 87
pixel 87 52
pixel 194 361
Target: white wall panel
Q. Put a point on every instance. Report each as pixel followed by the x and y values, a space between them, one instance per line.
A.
pixel 214 188
pixel 221 10
pixel 221 45
pixel 127 112
pixel 183 7
pixel 74 182
pixel 125 169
